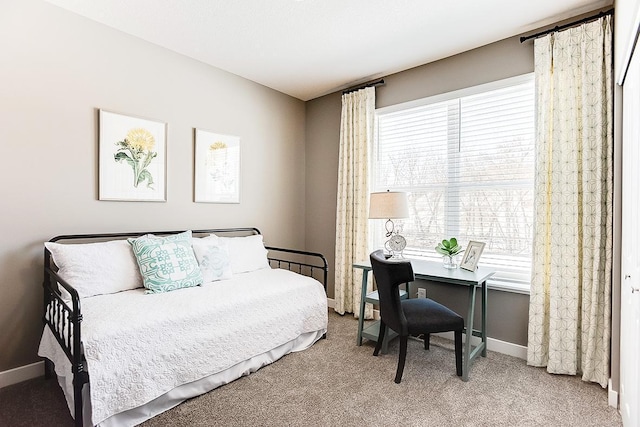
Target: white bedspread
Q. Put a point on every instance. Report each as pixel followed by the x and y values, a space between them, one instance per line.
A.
pixel 139 346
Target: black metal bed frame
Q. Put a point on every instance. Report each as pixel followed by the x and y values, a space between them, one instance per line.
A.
pixel 65 321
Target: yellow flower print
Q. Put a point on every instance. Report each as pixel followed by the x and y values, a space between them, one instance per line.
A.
pixel 140 139
pixel 135 150
pixel 218 145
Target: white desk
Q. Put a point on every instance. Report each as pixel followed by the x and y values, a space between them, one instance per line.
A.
pixel 435 272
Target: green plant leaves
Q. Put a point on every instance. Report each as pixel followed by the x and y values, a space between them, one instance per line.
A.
pixel 138 159
pixel 449 247
pixel 150 156
pixel 120 156
pixel 145 174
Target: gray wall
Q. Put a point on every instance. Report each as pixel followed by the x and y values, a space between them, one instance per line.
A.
pixel 56 69
pixel 508 312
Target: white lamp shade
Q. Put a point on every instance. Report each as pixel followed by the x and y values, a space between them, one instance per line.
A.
pixel 388 205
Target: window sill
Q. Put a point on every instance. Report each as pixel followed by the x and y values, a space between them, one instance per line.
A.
pixel 515 288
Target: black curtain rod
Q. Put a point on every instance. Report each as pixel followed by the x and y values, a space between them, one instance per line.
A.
pixel 363 85
pixel 562 27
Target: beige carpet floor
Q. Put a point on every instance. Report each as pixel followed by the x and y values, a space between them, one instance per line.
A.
pixel 336 383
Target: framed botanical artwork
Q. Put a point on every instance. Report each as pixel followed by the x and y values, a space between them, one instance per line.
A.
pixel 132 158
pixel 472 255
pixel 217 168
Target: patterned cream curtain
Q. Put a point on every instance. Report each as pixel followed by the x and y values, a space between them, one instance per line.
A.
pixel 569 313
pixel 356 134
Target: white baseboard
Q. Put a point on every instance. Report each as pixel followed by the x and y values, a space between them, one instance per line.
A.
pixel 504 347
pixel 499 346
pixel 22 373
pixel 493 344
pixel 613 396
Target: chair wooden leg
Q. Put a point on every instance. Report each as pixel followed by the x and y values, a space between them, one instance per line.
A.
pixel 383 327
pixel 401 358
pixel 458 350
pixel 427 338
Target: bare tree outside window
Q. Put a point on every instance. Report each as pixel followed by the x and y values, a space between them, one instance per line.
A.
pixel 468 166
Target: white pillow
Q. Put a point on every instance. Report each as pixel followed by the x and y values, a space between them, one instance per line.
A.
pixel 97 268
pixel 213 258
pixel 246 253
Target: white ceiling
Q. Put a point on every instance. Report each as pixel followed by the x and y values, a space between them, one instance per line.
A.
pixel 310 48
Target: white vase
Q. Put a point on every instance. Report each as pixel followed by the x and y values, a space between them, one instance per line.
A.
pixel 450 261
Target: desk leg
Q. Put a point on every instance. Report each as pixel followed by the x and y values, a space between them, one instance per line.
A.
pixel 484 319
pixel 469 334
pixel 363 293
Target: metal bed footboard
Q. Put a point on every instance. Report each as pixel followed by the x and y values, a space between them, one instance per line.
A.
pixel 64 316
pixel 312 264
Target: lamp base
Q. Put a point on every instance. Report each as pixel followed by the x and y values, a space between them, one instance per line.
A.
pixel 395 245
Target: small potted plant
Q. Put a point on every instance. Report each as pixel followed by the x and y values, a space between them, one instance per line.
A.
pixel 449 249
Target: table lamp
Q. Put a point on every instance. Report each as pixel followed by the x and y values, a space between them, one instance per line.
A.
pixel 390 205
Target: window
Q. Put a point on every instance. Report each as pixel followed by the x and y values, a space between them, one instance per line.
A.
pixel 466 159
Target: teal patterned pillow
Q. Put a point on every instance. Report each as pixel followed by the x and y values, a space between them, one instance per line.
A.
pixel 166 263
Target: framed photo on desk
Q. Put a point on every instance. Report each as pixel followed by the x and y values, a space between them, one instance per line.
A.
pixel 472 255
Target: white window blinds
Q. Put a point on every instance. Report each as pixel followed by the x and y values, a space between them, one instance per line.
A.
pixel 467 161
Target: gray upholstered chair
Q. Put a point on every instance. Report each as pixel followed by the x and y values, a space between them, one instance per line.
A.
pixel 411 316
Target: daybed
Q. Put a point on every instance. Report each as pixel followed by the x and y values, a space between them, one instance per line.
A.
pixel 124 353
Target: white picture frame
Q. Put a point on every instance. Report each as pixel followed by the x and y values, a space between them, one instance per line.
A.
pixel 216 167
pixel 131 158
pixel 472 255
